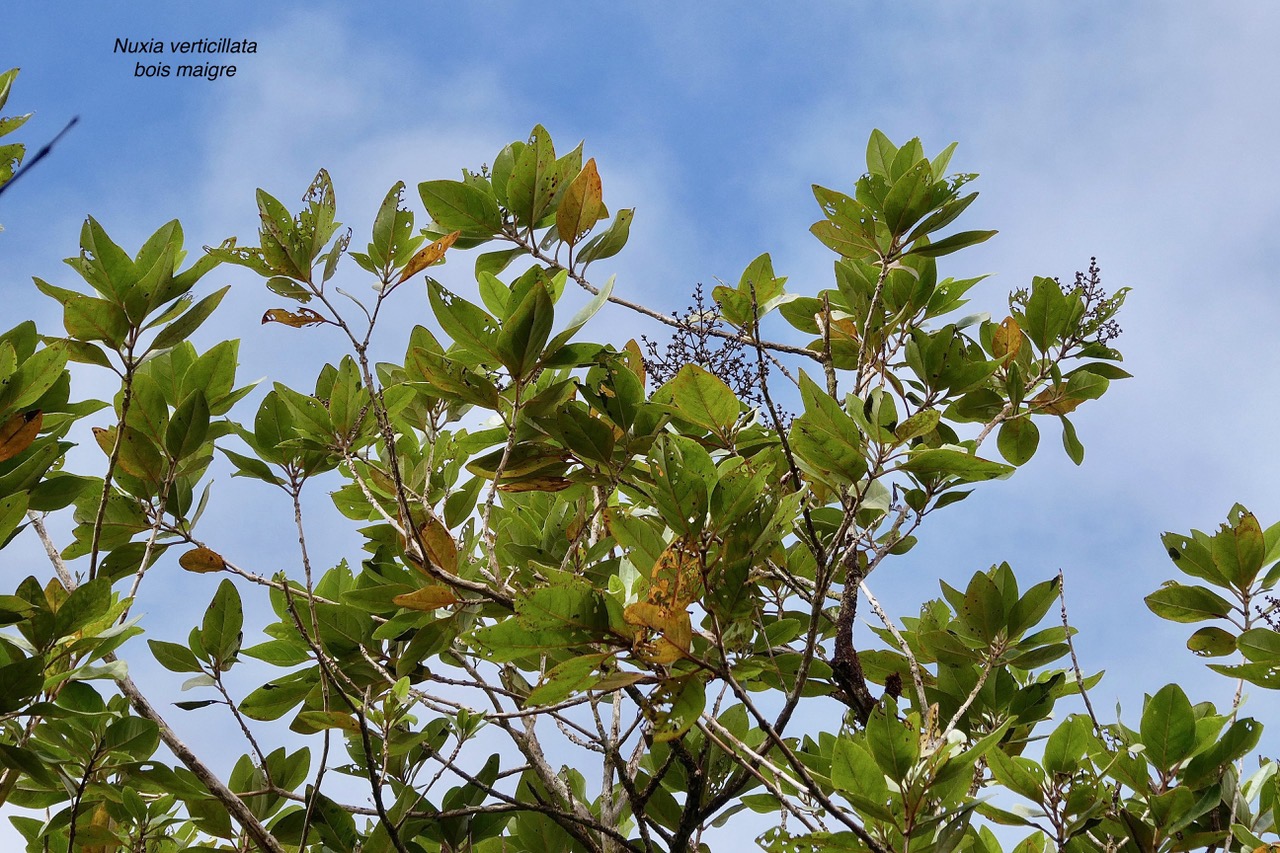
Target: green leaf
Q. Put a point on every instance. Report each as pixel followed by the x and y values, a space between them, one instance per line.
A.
pixel 183 327
pixel 13 510
pixel 1075 450
pixel 188 427
pixel 880 154
pixel 87 603
pixel 34 376
pixel 174 657
pixel 855 774
pixel 954 243
pixel 459 206
pixel 134 736
pixel 534 177
pixel 1020 775
pixel 576 675
pixel 519 343
pixel 609 242
pixel 1168 728
pixel 493 263
pixel 276 698
pixel 1260 645
pixel 1017 440
pixel 220 632
pixel 921 423
pixel 827 440
pixel 1239 548
pixel 19 681
pixel 688 698
pixel 1212 641
pixel 465 323
pixel 582 317
pixel 1067 745
pixel 702 399
pixel 894 747
pixel 1179 603
pixel 949 462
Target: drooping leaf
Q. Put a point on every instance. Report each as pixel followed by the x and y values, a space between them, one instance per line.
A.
pixel 202 561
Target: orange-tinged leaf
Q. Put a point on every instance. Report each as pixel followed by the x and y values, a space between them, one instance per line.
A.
pixel 581 206
pixel 202 561
pixel 428 598
pixel 302 317
pixel 17 433
pixel 1054 401
pixel 428 256
pixel 136 455
pixel 1006 339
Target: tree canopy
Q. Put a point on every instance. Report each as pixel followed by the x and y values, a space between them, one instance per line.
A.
pixel 631 575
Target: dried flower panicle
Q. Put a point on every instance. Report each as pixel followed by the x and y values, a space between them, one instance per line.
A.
pixel 695 342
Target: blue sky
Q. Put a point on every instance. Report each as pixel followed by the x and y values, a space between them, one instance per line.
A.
pixel 1140 133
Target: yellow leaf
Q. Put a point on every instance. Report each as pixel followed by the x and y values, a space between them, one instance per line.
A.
pixel 303 317
pixel 1006 339
pixel 428 598
pixel 581 206
pixel 676 578
pixel 437 546
pixel 202 561
pixel 675 626
pixel 17 433
pixel 661 651
pixel 428 256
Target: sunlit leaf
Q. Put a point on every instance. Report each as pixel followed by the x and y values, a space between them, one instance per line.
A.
pixel 430 255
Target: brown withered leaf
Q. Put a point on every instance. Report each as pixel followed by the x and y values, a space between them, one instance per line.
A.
pixel 1006 339
pixel 428 256
pixel 302 317
pixel 428 598
pixel 537 484
pixel 202 561
pixel 17 433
